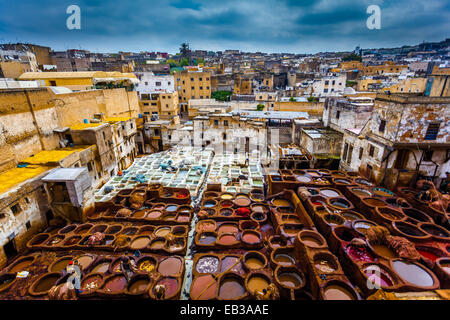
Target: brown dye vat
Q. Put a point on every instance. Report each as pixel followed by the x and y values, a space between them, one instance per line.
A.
pixel 139 243
pixel 113 229
pixel 254 260
pixel 84 261
pixel 417 215
pixel 276 242
pixel 351 215
pixel 414 273
pixel 84 228
pixel 158 243
pixel 115 284
pixel 146 264
pixel 257 282
pixel 390 214
pixel 183 217
pixel 342 181
pixel 60 264
pixel 311 239
pixel 211 194
pixel 374 202
pixel 98 228
pixel 337 290
pixel 228 228
pixel 290 278
pixel 207 238
pixel 138 285
pixel 179 231
pixel 176 244
pixel 363 182
pixel 22 264
pixel 154 214
pixel 361 192
pixel 248 225
pixel 227 212
pixel 430 253
pixel 231 286
pixel 229 261
pixel 55 240
pixel 171 286
pixel 281 203
pixel 71 241
pixel 207 264
pixel 283 259
pixel 325 262
pixel 383 251
pixel 409 230
pixel 438 232
pixel 444 264
pixel 242 201
pixel 38 239
pixel 146 231
pixel 333 219
pixel 344 233
pixel 43 284
pixel 140 214
pixel 291 229
pixel 6 280
pixel 67 229
pixel 102 267
pixel 227 239
pixel 259 208
pixel 258 217
pixel 205 226
pixel 91 283
pixel 129 231
pixel 256 195
pixel 170 266
pixel 361 226
pixel 158 206
pixel 209 203
pixel 339 203
pixel 204 288
pixel 162 232
pixel 251 237
pixel 290 218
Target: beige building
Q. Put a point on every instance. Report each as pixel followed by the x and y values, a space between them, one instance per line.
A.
pixel 192 85
pixel 162 104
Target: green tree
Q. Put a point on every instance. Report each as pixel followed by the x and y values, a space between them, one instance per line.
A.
pixel 292 99
pixel 260 107
pixel 352 57
pixel 184 62
pixel 185 51
pixel 172 63
pixel 221 95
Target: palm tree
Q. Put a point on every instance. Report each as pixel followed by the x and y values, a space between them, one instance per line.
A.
pixel 185 52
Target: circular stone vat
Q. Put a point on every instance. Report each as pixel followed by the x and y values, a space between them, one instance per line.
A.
pixel 436 231
pixel 257 282
pixel 278 202
pixel 115 284
pixel 390 214
pixel 171 285
pixel 170 266
pixel 67 229
pixel 329 193
pixel 43 284
pixel 153 214
pixel 344 233
pixel 207 264
pixel 140 214
pixel 84 228
pixel 230 262
pixel 277 242
pixel 362 226
pixel 325 262
pixel 254 260
pixel 333 219
pixel 248 225
pixel 209 203
pixel 21 264
pixel 54 240
pixel 379 275
pixel 312 239
pixel 6 280
pixel 374 202
pixel 342 181
pixel 204 288
pixel 417 215
pixel 98 228
pixel 231 286
pixel 251 237
pixel 290 278
pixel 338 290
pixel 283 259
pixel 91 283
pixel 113 229
pixel 430 253
pixel 258 217
pixel 129 231
pixel 413 273
pixel 158 243
pixel 139 243
pixel 409 230
pixel 70 241
pixel 226 212
pixel 361 192
pixel 227 239
pixel 340 203
pixel 207 238
pixel 162 232
pixel 226 196
pixel 383 192
pixel 363 182
pixel 205 226
pixel 226 203
pixel 351 215
pixel 84 261
pixel 102 266
pixel 60 264
pixel 228 228
pixel 242 201
pixel 383 251
pixel 172 208
pixel 38 239
pixel 146 264
pixel 138 285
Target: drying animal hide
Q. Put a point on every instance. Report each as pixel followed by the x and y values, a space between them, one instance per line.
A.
pixel 96 238
pixel 403 247
pixel 124 212
pixel 377 234
pixel 137 200
pixel 62 292
pixel 304 193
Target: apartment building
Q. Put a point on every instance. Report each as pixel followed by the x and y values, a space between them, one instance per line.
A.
pixel 192 84
pixel 151 83
pixel 163 105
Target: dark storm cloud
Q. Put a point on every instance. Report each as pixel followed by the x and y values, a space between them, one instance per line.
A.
pixel 254 25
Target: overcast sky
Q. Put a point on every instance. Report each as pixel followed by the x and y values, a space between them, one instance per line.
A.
pixel 299 26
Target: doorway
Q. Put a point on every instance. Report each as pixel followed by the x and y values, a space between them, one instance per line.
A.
pixel 10 249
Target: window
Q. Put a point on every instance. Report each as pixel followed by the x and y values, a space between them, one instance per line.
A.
pixel 28 225
pixel 200 79
pixel 53 83
pixel 349 158
pixel 224 136
pixel 16 208
pixel 382 126
pixel 158 83
pixel 27 200
pixel 325 90
pixel 225 123
pixel 326 82
pixel 146 83
pixel 371 150
pixel 428 155
pixel 104 136
pixel 338 114
pixel 216 122
pixel 201 88
pixel 192 79
pixel 432 131
pixel 402 157
pixel 89 166
pixel 361 152
pixel 344 155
